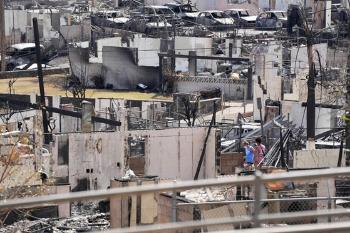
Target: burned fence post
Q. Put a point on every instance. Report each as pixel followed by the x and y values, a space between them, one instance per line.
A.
pixel 230 50
pixel 192 63
pixel 86 120
pixel 41 80
pixel 259 105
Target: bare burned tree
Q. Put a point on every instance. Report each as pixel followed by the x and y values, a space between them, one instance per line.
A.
pixel 77 85
pixel 6 112
pixel 188 107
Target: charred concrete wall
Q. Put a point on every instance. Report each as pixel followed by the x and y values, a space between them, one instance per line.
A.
pixel 267 81
pixel 113 41
pixel 299 58
pixel 148 49
pixel 174 153
pixel 15 19
pixel 185 44
pixel 317 158
pixel 145 209
pixel 122 71
pixel 96 158
pixel 77 32
pixel 82 68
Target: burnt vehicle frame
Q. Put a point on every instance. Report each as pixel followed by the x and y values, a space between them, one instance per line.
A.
pixel 215 20
pixel 271 20
pixel 23 53
pixel 242 17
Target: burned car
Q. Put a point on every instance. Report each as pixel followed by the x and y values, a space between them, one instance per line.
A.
pixel 20 54
pixel 186 12
pixel 242 17
pixel 152 19
pixel 160 11
pixel 339 14
pixel 271 20
pixel 215 20
pixel 148 25
pixel 109 18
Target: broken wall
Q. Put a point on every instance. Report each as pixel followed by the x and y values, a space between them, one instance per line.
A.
pixel 94 159
pixel 110 109
pixel 82 68
pixel 268 64
pixel 326 118
pixel 299 58
pixel 112 42
pixel 146 208
pixel 317 158
pixel 199 44
pixel 76 32
pixel 122 72
pixel 174 153
pixel 147 50
pixel 15 19
pixel 44 22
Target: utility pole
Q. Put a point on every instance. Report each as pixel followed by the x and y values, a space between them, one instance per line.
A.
pixel 311 102
pixel 310 92
pixel 2 36
pixel 41 80
pixel 211 125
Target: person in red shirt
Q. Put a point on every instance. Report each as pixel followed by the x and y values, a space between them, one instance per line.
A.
pixel 259 152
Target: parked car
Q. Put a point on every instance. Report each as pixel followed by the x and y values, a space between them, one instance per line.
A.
pixel 242 17
pixel 184 11
pixel 271 20
pixel 215 20
pixel 20 54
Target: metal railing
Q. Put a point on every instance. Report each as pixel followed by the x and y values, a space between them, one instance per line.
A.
pixel 206 79
pixel 256 219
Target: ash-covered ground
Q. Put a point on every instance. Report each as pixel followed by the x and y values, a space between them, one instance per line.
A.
pixel 85 217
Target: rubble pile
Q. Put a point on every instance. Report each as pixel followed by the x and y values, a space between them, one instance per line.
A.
pixel 85 218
